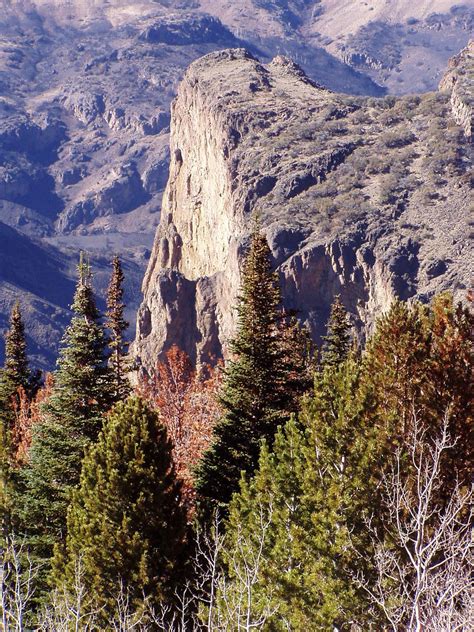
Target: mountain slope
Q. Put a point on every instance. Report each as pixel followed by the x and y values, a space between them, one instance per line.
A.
pixel 358 196
pixel 85 93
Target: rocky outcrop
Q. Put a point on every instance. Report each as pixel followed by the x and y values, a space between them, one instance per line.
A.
pixel 248 138
pixel 459 81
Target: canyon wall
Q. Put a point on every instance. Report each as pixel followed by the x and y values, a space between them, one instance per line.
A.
pixel 355 196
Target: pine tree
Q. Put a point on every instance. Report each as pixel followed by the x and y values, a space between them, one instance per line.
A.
pixel 71 419
pixel 337 340
pixel 297 364
pixel 254 403
pixel 419 360
pixel 17 382
pixel 263 531
pixel 125 523
pixel 312 494
pixel 16 363
pixel 117 325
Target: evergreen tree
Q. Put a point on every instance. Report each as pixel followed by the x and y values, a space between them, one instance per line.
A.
pixel 297 365
pixel 16 372
pixel 117 325
pixel 263 532
pixel 337 340
pixel 71 419
pixel 252 398
pixel 16 379
pixel 125 523
pixel 313 494
pixel 16 366
pixel 419 361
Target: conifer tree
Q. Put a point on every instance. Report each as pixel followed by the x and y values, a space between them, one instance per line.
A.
pixel 16 372
pixel 16 382
pixel 125 523
pixel 313 493
pixel 16 366
pixel 297 364
pixel 71 419
pixel 337 340
pixel 117 325
pixel 419 360
pixel 254 403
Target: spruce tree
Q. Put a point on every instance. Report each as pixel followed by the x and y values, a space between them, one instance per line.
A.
pixel 16 366
pixel 337 339
pixel 71 419
pixel 252 398
pixel 15 376
pixel 16 372
pixel 117 326
pixel 125 523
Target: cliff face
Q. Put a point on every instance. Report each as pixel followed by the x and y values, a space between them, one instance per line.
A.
pixel 459 81
pixel 362 197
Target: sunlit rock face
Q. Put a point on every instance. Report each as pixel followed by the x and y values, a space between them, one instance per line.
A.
pixel 85 94
pixel 360 197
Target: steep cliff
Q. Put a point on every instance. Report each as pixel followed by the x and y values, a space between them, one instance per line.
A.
pixel 363 197
pixel 459 81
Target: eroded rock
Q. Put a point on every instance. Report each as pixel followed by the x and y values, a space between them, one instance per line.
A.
pixel 319 169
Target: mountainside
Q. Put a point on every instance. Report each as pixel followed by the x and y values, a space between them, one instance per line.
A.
pixel 85 93
pixel 358 196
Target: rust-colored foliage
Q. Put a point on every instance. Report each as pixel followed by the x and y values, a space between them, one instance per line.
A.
pixel 187 402
pixel 419 362
pixel 27 413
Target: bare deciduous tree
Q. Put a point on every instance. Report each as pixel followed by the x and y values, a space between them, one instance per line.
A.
pixel 424 563
pixel 17 585
pixel 69 609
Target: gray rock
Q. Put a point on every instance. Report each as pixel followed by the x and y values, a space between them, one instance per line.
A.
pixel 347 207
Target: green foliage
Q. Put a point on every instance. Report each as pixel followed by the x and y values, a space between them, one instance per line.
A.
pixel 16 366
pixel 125 523
pixel 117 325
pixel 16 372
pixel 337 339
pixel 256 397
pixel 313 495
pixel 71 419
pixel 15 375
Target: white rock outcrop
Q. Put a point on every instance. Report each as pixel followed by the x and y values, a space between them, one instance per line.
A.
pixel 248 138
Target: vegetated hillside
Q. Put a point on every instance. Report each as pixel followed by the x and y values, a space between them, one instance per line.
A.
pixel 84 114
pixel 402 45
pixel 364 197
pixel 85 90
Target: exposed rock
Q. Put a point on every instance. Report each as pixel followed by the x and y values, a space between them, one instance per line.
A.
pixel 181 30
pixel 122 192
pixel 313 164
pixel 459 81
pixel 399 51
pixel 85 90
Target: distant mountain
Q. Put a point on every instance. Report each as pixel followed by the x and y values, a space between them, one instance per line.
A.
pixel 85 94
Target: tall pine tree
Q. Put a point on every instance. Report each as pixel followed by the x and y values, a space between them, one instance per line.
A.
pixel 252 397
pixel 16 367
pixel 71 419
pixel 125 523
pixel 15 377
pixel 337 339
pixel 117 326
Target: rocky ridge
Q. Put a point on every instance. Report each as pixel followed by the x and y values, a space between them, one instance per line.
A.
pixel 85 93
pixel 459 81
pixel 363 197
